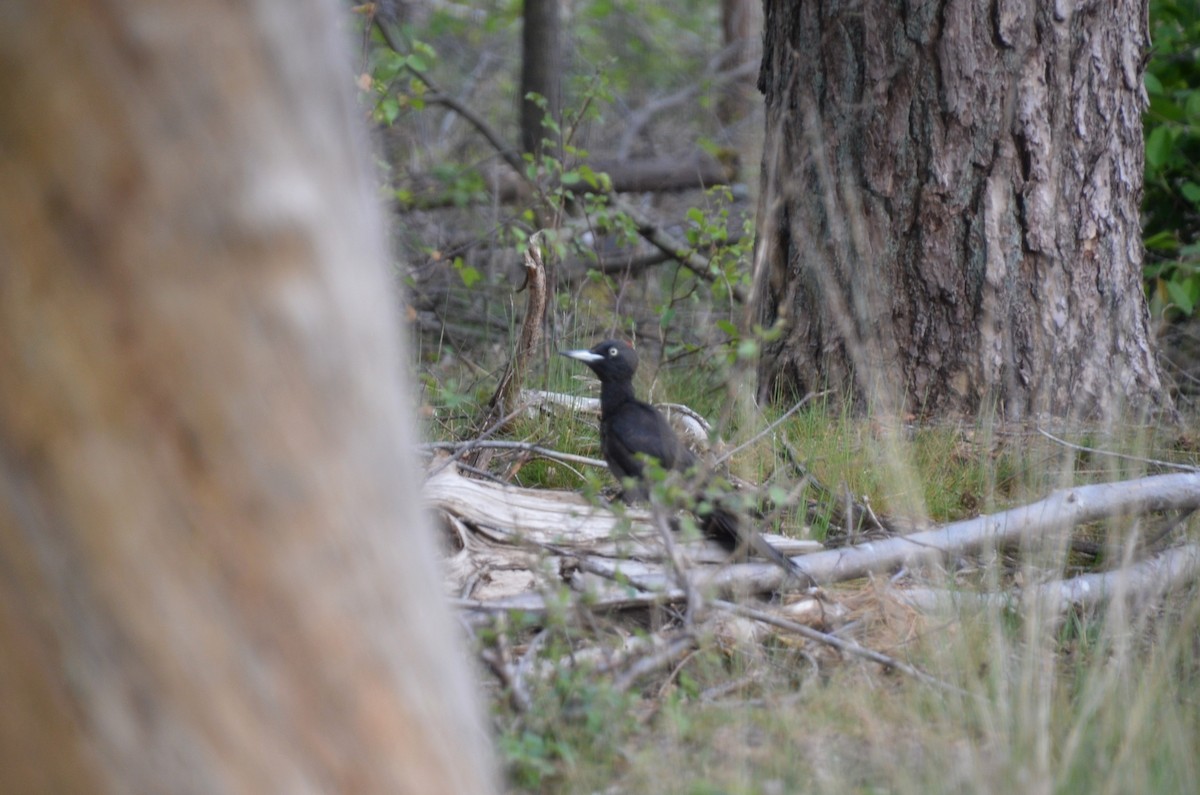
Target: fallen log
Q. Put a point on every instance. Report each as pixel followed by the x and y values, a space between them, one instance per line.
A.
pixel 624 569
pixel 502 534
pixel 1062 510
pixel 1140 582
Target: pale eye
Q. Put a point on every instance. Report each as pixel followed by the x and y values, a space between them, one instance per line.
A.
pixel 612 351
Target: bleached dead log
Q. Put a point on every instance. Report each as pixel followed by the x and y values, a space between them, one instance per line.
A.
pixel 1060 511
pixel 683 419
pixel 647 584
pixel 551 401
pixel 501 534
pixel 1139 583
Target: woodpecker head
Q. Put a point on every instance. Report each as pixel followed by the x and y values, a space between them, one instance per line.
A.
pixel 610 360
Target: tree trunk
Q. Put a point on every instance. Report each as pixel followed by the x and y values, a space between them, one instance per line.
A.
pixel 541 71
pixel 741 29
pixel 949 214
pixel 214 577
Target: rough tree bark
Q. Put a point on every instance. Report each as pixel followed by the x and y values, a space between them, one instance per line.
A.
pixel 949 214
pixel 541 70
pixel 213 574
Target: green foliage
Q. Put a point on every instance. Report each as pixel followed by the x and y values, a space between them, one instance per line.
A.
pixel 457 55
pixel 1172 197
pixel 393 80
pixel 572 716
pixel 646 46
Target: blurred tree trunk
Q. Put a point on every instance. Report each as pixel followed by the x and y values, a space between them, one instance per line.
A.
pixel 949 215
pixel 541 71
pixel 741 30
pixel 214 577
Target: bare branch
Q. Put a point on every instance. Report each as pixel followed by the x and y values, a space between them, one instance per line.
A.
pixel 527 447
pixel 505 400
pixel 1061 510
pixel 1123 456
pixel 841 644
pixel 1143 582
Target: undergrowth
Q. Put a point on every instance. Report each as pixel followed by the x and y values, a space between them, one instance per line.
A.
pixel 1104 700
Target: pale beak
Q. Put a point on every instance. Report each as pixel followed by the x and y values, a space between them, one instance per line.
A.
pixel 582 355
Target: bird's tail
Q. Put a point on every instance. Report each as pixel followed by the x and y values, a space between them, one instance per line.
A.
pixel 725 527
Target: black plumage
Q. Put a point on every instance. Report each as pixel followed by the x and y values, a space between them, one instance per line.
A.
pixel 630 428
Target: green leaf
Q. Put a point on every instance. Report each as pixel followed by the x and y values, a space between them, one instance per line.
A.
pixel 389 109
pixel 1163 108
pixel 1191 192
pixel 587 175
pixel 1192 106
pixel 728 327
pixel 1180 296
pixel 1161 241
pixel 467 273
pixel 1153 84
pixel 1158 146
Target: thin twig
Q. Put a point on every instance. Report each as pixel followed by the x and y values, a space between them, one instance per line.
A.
pixel 527 447
pixel 499 660
pixel 474 443
pixel 638 119
pixel 653 234
pixel 439 97
pixel 679 646
pixel 770 427
pixel 1112 454
pixel 482 473
pixel 847 646
pixel 691 597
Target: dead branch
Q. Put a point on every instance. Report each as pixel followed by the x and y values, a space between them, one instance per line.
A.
pixel 684 419
pixel 679 647
pixel 655 235
pixel 621 568
pixel 687 171
pixel 503 533
pixel 504 444
pixel 1142 582
pixel 504 400
pixel 1113 454
pixel 841 644
pixel 714 76
pixel 1060 511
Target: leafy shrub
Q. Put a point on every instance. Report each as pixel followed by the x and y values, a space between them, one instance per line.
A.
pixel 1172 125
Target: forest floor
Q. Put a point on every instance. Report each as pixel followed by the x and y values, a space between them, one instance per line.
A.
pixel 1010 695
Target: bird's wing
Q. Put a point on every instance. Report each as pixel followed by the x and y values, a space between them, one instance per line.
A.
pixel 636 429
